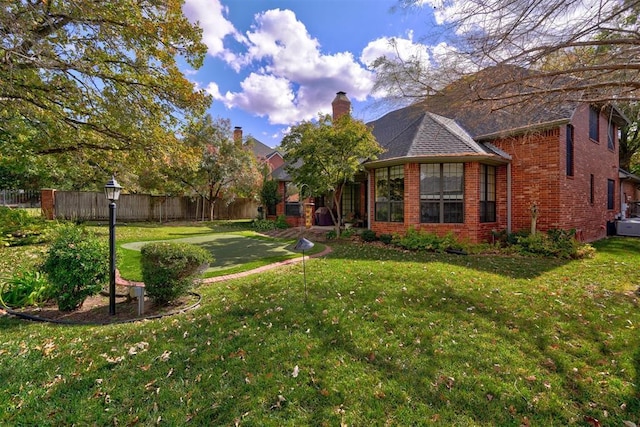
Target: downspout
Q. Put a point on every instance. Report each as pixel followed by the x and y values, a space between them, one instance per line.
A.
pixel 509 197
pixel 368 200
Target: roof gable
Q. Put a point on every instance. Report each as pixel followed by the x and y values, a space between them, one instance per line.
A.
pixel 412 132
pixel 262 150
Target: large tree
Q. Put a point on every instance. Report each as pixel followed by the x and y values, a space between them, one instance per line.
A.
pixel 327 154
pixel 227 169
pixel 589 48
pixel 630 139
pixel 97 83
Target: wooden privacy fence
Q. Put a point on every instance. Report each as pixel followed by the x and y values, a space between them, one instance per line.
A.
pixel 75 205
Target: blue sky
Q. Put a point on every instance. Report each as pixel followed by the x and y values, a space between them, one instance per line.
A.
pixel 272 64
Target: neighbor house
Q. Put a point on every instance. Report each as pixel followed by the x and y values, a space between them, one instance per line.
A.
pixel 476 168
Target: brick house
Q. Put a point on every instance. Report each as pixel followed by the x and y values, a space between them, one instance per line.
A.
pixel 471 168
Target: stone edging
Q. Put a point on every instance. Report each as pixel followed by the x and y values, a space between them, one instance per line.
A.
pixel 137 319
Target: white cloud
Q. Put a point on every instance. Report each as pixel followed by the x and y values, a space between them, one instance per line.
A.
pixel 210 16
pixel 395 48
pixel 292 79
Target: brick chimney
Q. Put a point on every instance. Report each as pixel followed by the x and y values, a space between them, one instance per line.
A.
pixel 341 105
pixel 237 135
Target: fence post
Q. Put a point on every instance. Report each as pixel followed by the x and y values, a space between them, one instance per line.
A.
pixel 48 203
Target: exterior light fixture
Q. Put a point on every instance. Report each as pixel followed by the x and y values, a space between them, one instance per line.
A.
pixel 112 192
pixel 303 245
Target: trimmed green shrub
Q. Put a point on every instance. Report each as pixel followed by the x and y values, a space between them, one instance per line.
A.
pixel 417 240
pixel 386 238
pixel 368 236
pixel 263 225
pixel 169 269
pixel 331 235
pixel 281 222
pixel 25 288
pixel 347 233
pixel 77 266
pixel 555 243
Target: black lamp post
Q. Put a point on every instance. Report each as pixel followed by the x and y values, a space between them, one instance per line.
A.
pixel 112 191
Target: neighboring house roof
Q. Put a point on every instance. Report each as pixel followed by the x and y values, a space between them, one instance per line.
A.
pixel 413 132
pixel 262 150
pixel 623 174
pixel 281 174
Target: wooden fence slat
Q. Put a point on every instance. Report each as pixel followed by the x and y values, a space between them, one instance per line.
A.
pixel 92 206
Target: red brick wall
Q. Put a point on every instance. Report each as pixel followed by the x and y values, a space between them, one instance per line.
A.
pixel 471 230
pixel 539 176
pixel 275 162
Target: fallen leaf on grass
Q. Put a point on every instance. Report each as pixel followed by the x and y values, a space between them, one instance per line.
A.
pixel 593 421
pixel 165 356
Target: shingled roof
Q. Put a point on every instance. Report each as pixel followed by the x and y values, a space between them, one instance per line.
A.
pixel 413 132
pixel 508 100
pixel 260 149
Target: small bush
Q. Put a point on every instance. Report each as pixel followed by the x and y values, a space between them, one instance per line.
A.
pixel 347 233
pixel 77 266
pixel 25 288
pixel 368 236
pixel 331 235
pixel 386 238
pixel 555 243
pixel 281 222
pixel 263 225
pixel 169 269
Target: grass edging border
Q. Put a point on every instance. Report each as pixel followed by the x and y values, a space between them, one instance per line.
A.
pixel 137 319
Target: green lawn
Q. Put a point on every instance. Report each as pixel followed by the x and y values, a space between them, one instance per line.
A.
pixel 233 252
pixel 384 338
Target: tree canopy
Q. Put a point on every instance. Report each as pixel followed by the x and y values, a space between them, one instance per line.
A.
pixel 588 48
pixel 96 84
pixel 326 154
pixel 227 169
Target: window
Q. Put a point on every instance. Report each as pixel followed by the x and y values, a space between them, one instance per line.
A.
pixel 611 192
pixel 350 200
pixel 591 189
pixel 594 126
pixel 442 193
pixel 487 193
pixel 570 150
pixel 292 200
pixel 611 136
pixel 389 188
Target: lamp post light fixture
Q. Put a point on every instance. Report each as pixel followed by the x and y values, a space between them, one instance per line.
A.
pixel 112 192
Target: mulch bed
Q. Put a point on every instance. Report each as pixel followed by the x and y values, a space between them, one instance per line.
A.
pixel 95 310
